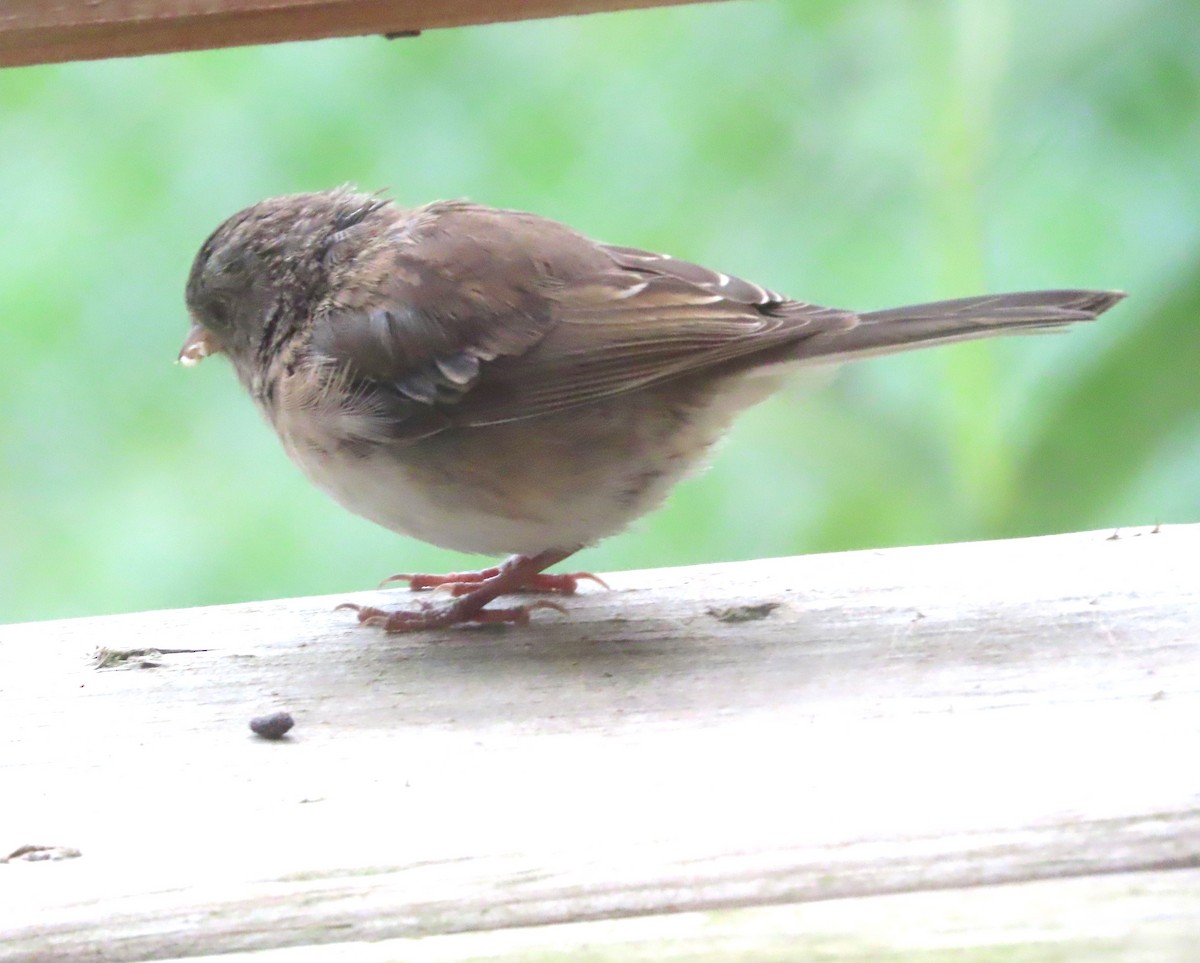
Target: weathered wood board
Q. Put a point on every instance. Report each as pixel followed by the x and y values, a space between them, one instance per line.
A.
pixel 731 737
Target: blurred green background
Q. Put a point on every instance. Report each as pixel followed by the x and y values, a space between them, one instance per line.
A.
pixel 863 154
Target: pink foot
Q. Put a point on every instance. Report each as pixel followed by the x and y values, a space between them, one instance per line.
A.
pixel 460 583
pixel 473 591
pixel 431 617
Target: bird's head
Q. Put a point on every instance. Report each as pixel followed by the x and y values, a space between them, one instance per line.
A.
pixel 260 274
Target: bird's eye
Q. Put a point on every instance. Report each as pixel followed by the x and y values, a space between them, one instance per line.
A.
pixel 216 315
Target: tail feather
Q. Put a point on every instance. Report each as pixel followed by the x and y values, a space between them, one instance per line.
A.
pixel 963 319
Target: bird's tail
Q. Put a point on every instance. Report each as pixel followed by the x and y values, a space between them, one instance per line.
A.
pixel 943 322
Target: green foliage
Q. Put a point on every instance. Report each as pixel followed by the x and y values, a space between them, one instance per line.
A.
pixel 864 154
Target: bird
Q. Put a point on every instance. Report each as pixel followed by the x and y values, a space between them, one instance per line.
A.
pixel 495 382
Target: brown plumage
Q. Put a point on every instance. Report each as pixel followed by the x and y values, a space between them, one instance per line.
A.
pixel 495 382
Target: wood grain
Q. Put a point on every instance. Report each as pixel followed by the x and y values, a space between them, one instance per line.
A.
pixel 1124 918
pixel 832 727
pixel 47 31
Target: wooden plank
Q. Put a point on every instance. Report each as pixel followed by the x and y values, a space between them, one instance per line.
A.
pixel 1126 918
pixel 38 31
pixel 716 737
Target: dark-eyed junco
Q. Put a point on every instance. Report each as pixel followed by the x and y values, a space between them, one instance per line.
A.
pixel 494 382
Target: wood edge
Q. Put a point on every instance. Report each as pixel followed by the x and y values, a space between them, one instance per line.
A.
pixel 28 39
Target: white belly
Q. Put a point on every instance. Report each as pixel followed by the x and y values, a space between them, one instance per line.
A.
pixel 560 481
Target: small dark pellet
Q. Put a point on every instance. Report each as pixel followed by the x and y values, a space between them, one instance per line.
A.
pixel 274 726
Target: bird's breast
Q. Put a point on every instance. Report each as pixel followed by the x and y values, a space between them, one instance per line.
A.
pixel 559 481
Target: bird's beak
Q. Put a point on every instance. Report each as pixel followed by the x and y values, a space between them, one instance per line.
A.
pixel 199 344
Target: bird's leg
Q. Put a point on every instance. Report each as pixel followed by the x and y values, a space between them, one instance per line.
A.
pixel 474 593
pixel 461 583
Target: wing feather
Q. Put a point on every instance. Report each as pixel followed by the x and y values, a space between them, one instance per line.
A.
pixel 491 316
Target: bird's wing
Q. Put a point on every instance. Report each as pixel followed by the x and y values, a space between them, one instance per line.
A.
pixel 641 319
pixel 471 316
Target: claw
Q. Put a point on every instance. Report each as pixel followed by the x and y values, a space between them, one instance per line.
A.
pixel 429 617
pixel 595 578
pixel 461 583
pixel 543 604
pixel 367 614
pixel 418 582
pixel 472 593
pixel 568 583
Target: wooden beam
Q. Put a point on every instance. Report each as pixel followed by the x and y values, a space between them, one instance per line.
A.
pixel 823 731
pixel 47 31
